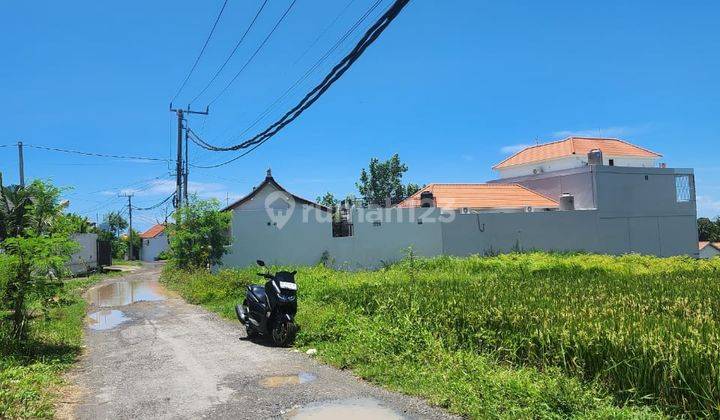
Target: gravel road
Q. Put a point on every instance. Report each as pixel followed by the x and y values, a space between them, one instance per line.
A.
pixel 151 355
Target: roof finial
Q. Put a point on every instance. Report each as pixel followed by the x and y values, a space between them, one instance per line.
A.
pixel 269 173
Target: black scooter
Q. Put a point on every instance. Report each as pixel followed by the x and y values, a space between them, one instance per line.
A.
pixel 270 310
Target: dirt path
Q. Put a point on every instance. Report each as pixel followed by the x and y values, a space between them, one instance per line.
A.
pixel 151 355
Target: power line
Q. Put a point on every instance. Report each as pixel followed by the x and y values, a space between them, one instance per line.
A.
pixel 197 60
pixel 77 152
pixel 154 206
pixel 310 70
pixel 324 31
pixel 257 50
pixel 232 53
pixel 335 74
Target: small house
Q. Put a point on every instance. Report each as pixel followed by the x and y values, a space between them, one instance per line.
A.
pixel 154 241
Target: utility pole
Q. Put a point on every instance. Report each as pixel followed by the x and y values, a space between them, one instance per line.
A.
pixel 130 244
pixel 21 164
pixel 187 167
pixel 181 180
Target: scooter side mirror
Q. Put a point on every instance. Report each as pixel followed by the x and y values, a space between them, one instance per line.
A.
pixel 261 263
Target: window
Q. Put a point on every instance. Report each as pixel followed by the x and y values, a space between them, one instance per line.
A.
pixel 683 188
pixel 342 229
pixel 611 162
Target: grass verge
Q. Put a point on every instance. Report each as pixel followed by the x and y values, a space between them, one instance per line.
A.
pixel 522 335
pixel 31 371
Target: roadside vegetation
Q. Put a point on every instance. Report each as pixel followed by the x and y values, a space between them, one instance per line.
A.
pixel 41 314
pixel 31 370
pixel 519 335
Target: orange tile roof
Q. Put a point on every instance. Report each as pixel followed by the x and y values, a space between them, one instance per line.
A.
pixel 153 232
pixel 575 146
pixel 481 196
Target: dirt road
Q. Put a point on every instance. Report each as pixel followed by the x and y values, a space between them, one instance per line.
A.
pixel 151 355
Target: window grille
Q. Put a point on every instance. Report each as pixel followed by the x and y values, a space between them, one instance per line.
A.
pixel 683 188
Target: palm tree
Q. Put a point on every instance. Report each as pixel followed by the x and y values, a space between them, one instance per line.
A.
pixel 14 217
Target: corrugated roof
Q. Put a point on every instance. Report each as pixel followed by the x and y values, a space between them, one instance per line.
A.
pixel 153 232
pixel 481 196
pixel 575 146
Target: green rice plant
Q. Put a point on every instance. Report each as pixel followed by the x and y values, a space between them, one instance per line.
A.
pixel 556 335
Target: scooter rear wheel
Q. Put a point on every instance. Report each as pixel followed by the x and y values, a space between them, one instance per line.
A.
pixel 283 333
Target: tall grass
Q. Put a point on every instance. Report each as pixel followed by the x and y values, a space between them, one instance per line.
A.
pixel 642 330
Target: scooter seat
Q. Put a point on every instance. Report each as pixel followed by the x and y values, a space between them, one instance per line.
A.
pixel 259 292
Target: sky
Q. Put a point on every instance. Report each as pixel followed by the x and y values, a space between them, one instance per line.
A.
pixel 452 86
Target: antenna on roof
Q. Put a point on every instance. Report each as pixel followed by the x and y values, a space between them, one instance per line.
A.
pixel 537 141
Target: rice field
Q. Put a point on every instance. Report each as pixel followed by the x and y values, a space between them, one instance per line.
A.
pixel 559 335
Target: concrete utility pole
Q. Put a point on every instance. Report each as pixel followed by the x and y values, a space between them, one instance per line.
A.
pixel 187 167
pixel 21 164
pixel 130 244
pixel 180 166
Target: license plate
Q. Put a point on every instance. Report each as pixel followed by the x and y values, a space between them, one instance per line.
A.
pixel 287 285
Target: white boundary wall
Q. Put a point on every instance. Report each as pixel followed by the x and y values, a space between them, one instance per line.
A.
pixel 637 212
pixel 85 259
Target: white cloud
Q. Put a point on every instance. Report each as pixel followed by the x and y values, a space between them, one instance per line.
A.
pixel 165 187
pixel 513 148
pixel 708 206
pixel 615 131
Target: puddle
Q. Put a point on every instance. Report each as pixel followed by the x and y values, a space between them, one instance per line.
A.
pixel 280 381
pixel 126 292
pixel 361 408
pixel 106 319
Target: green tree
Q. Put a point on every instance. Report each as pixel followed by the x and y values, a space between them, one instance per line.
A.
pixel 412 189
pixel 383 180
pixel 35 247
pixel 200 234
pixel 709 230
pixel 328 200
pixel 116 223
pixel 79 224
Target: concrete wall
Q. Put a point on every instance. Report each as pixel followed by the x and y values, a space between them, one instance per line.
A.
pixel 152 247
pixel 642 203
pixel 307 234
pixel 505 232
pixel 577 181
pixel 85 259
pixel 629 210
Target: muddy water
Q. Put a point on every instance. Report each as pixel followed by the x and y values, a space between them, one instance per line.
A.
pixel 280 381
pixel 353 409
pixel 123 293
pixel 106 319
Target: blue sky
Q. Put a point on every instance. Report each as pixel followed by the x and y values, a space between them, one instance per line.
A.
pixel 452 86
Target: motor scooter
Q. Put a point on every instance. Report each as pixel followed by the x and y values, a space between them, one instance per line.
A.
pixel 269 310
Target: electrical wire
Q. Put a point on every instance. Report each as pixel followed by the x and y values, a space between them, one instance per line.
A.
pixel 197 60
pixel 335 74
pixel 310 70
pixel 154 206
pixel 232 53
pixel 324 31
pixel 77 152
pixel 257 50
